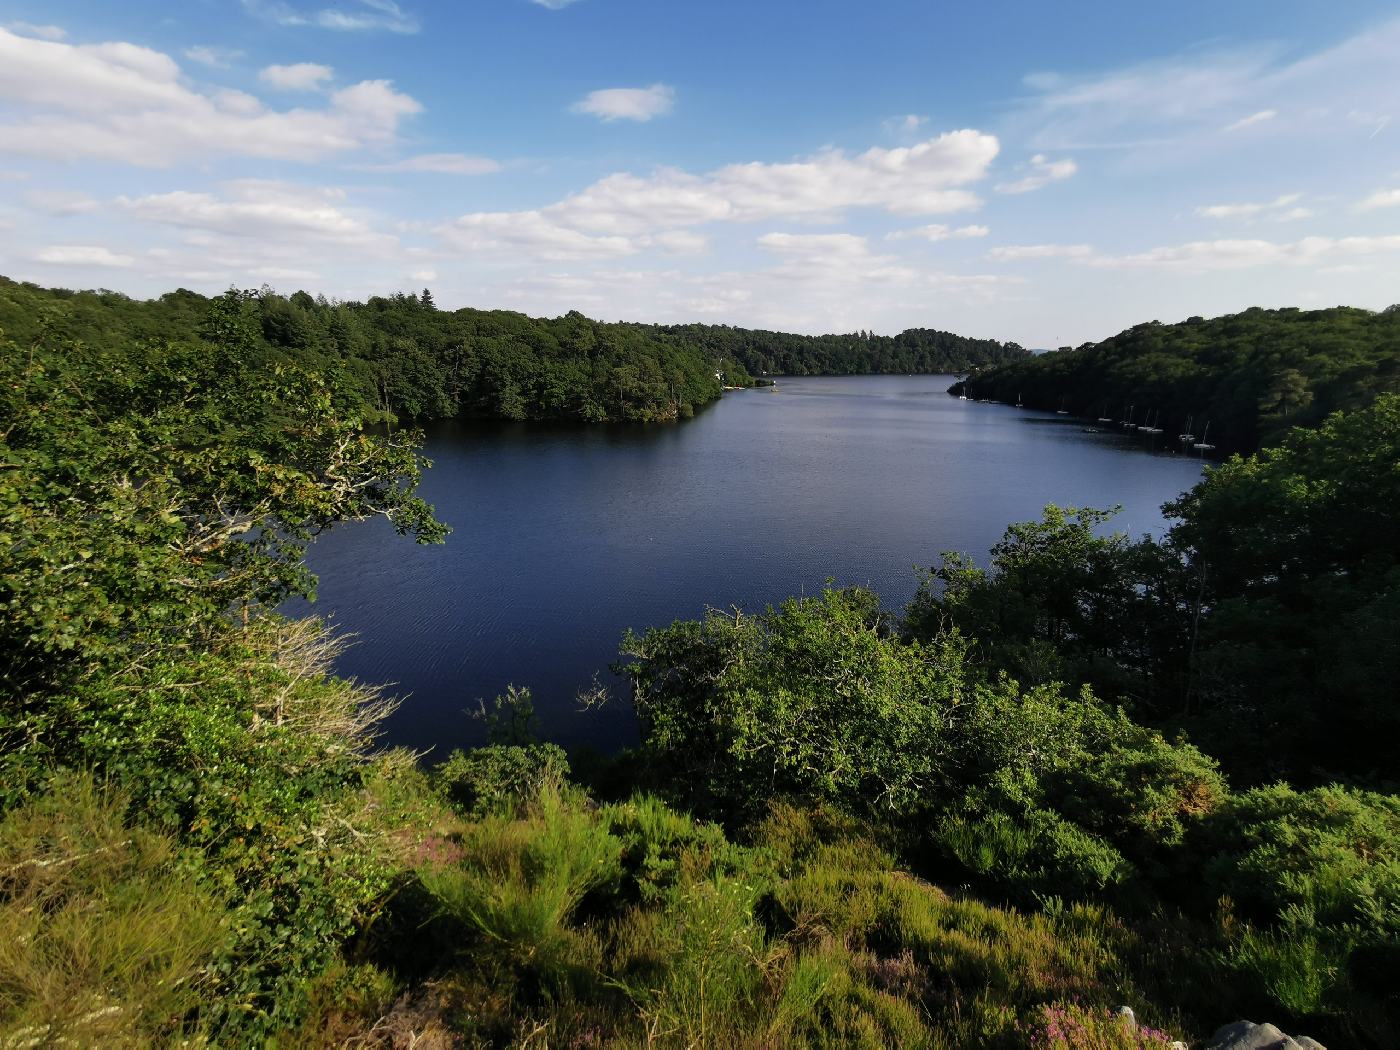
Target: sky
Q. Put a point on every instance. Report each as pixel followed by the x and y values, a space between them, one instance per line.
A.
pixel 1048 173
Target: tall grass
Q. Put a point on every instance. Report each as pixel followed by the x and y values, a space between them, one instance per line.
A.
pixel 104 939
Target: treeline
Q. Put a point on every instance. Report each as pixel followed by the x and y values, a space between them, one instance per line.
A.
pixel 401 357
pixel 1098 772
pixel 916 351
pixel 1249 377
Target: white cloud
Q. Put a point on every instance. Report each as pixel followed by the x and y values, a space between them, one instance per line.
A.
pixel 1380 199
pixel 43 32
pixel 679 242
pixel 530 232
pixel 937 232
pixel 82 255
pixel 1254 118
pixel 210 55
pixel 301 76
pixel 122 102
pixel 1278 208
pixel 816 245
pixel 61 202
pixel 640 104
pixel 626 213
pixel 1182 103
pixel 1015 252
pixel 370 15
pixel 424 275
pixel 1043 172
pixel 554 5
pixel 906 124
pixel 1244 254
pixel 259 208
pixel 441 164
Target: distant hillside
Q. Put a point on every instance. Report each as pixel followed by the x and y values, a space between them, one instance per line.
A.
pixel 918 351
pixel 402 356
pixel 1250 375
pixel 399 355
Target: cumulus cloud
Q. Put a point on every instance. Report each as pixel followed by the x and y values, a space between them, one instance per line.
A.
pixel 1244 254
pixel 1254 118
pixel 816 245
pixel 61 202
pixel 1015 252
pixel 1043 171
pixel 122 102
pixel 210 55
pixel 937 232
pixel 640 104
pixel 83 255
pixel 530 232
pixel 301 76
pixel 259 208
pixel 43 32
pixel 1380 199
pixel 1278 209
pixel 370 15
pixel 625 213
pixel 441 164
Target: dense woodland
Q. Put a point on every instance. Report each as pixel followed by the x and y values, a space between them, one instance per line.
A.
pixel 1248 377
pixel 401 357
pixel 1090 771
pixel 916 351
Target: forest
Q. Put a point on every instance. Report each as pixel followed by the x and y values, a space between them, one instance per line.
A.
pixel 1080 772
pixel 399 357
pixel 1236 382
pixel 915 351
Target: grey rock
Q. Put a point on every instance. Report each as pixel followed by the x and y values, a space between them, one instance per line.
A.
pixel 1246 1035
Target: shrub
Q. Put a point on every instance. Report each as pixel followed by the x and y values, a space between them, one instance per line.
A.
pixel 1334 852
pixel 498 777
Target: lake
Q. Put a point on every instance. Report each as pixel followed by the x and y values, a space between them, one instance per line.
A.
pixel 565 536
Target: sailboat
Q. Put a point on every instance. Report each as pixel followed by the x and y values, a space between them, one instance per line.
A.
pixel 1129 421
pixel 1019 402
pixel 1187 437
pixel 1061 411
pixel 1202 446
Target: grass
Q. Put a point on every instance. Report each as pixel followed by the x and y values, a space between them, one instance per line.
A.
pixel 104 938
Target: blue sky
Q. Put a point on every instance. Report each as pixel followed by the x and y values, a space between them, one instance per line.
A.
pixel 1048 173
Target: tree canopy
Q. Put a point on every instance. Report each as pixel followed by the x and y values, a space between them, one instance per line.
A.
pixel 1249 377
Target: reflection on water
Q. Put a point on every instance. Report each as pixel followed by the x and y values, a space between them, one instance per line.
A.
pixel 564 537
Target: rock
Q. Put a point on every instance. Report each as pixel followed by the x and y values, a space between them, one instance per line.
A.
pixel 1126 1013
pixel 1246 1035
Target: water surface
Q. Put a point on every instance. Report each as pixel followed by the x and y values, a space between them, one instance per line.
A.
pixel 564 537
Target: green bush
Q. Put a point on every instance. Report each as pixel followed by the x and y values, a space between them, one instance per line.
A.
pixel 1334 852
pixel 498 777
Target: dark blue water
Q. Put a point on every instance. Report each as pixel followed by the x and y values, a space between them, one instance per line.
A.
pixel 564 537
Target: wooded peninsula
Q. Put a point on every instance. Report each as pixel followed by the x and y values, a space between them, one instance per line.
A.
pixel 1078 772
